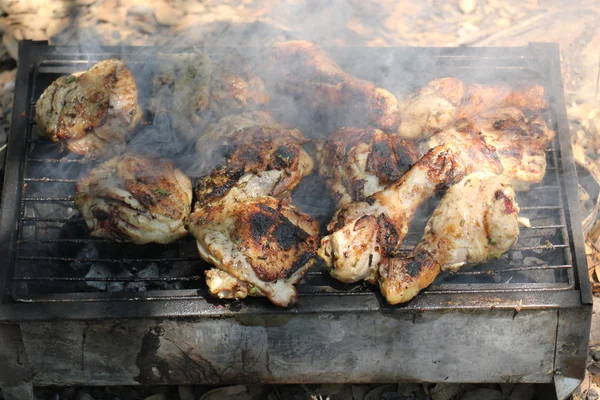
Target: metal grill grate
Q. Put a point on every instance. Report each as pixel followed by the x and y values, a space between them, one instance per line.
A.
pixel 53 255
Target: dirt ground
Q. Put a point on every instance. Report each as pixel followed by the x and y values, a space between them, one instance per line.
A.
pixel 574 25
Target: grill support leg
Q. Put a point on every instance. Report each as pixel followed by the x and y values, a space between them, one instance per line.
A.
pixel 15 372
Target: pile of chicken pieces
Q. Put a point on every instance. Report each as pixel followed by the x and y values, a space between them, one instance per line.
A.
pixel 478 143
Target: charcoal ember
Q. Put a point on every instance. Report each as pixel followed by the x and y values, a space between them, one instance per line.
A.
pixel 74 228
pixel 119 286
pixel 98 270
pixel 89 251
pixel 151 271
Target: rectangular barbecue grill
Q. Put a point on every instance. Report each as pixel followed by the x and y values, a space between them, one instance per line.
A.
pixel 128 314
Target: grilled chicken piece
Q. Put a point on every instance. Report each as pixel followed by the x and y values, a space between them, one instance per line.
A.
pixel 92 111
pixel 520 143
pixel 258 161
pixel 475 221
pixel 262 246
pixel 430 109
pixel 194 90
pixel 135 198
pixel 443 101
pixel 356 163
pixel 363 233
pixel 306 71
pixel 480 98
pixel 219 139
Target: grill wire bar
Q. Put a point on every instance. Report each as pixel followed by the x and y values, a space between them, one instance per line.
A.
pixel 50 265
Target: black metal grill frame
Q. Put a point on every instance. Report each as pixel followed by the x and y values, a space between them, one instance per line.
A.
pixel 573 291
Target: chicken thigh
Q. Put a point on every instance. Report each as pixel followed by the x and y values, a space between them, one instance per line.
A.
pixel 260 246
pixel 135 198
pixel 92 111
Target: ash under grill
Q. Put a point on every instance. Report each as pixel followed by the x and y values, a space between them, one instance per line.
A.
pixel 54 259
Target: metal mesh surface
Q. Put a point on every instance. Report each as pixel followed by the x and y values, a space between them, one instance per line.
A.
pixel 55 258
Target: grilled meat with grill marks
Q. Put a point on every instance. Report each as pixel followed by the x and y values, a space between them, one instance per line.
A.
pixel 259 160
pixel 363 233
pixel 306 71
pixel 520 143
pixel 135 198
pixel 262 246
pixel 194 90
pixel 219 140
pixel 356 163
pixel 441 102
pixel 475 221
pixel 92 111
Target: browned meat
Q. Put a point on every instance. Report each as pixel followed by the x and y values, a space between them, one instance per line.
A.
pixel 475 221
pixel 430 109
pixel 480 98
pixel 258 160
pixel 363 233
pixel 355 163
pixel 92 111
pixel 442 102
pixel 262 246
pixel 520 143
pixel 135 198
pixel 304 70
pixel 194 90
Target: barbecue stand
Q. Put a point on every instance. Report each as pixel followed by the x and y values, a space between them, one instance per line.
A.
pixel 524 318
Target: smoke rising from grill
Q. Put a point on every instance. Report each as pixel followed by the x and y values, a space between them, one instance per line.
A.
pixel 232 46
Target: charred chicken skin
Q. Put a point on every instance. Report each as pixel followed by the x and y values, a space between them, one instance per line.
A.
pixel 475 221
pixel 520 143
pixel 361 234
pixel 92 111
pixel 260 244
pixel 195 90
pixel 356 163
pixel 135 198
pixel 306 71
pixel 263 159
